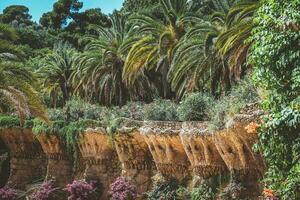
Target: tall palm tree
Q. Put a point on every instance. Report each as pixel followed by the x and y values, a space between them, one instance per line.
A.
pixel 15 80
pixel 232 44
pixel 56 69
pixel 211 54
pixel 98 74
pixel 157 40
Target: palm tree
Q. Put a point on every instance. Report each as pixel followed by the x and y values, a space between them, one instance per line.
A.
pixel 55 71
pixel 232 43
pixel 15 80
pixel 157 39
pixel 98 74
pixel 210 55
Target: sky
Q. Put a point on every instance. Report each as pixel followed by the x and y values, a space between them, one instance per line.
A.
pixel 38 7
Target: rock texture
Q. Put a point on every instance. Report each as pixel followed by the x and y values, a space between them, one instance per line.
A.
pixel 235 147
pixel 101 159
pixel 201 150
pixel 137 163
pixel 59 168
pixel 27 161
pixel 166 148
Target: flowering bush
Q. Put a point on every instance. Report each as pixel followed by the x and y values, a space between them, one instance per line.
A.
pixel 252 127
pixel 81 190
pixel 8 194
pixel 123 190
pixel 269 194
pixel 44 192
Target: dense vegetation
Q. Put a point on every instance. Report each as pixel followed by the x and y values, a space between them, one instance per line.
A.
pixel 168 60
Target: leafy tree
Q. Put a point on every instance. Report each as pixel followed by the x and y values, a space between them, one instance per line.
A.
pixel 62 11
pixel 16 13
pixel 8 36
pixel 197 64
pixel 82 20
pixel 276 57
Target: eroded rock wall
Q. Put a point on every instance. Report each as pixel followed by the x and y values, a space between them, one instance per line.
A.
pixel 137 163
pixel 59 167
pixel 201 150
pixel 166 149
pixel 27 161
pixel 101 159
pixel 175 150
pixel 235 147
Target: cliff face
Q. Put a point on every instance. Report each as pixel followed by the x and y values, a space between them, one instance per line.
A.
pixel 137 163
pixel 201 150
pixel 175 150
pixel 166 149
pixel 102 164
pixel 27 160
pixel 59 167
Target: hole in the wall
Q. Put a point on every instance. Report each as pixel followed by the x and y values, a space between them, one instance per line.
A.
pixel 196 147
pixel 160 147
pixel 209 149
pixel 189 149
pixel 152 147
pixel 5 165
pixel 230 150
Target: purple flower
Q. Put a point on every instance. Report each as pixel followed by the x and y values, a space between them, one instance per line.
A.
pixel 81 190
pixel 7 193
pixel 45 191
pixel 123 190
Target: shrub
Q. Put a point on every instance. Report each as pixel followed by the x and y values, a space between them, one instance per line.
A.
pixel 133 110
pixel 195 107
pixel 77 108
pixel 46 191
pixel 8 194
pixel 243 93
pixel 275 59
pixel 123 190
pixel 204 192
pixel 81 190
pixel 7 121
pixel 161 110
pixel 164 191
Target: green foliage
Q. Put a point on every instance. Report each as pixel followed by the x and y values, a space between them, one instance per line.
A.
pixel 62 11
pixel 166 190
pixel 227 106
pixel 279 141
pixel 195 107
pixel 7 121
pixel 161 110
pixel 204 192
pixel 275 56
pixel 16 13
pixel 275 52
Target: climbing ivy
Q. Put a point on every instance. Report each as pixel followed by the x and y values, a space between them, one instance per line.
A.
pixel 275 56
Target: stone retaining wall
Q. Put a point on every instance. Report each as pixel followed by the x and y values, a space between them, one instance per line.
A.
pixel 59 168
pixel 27 161
pixel 137 163
pixel 101 159
pixel 175 150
